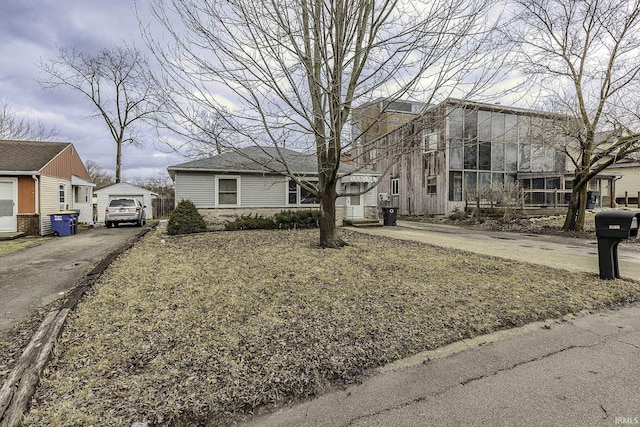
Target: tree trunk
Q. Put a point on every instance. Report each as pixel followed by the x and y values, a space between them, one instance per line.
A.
pixel 118 160
pixel 328 230
pixel 576 211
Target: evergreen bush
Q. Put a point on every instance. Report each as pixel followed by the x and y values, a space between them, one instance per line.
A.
pixel 249 222
pixel 185 219
pixel 295 219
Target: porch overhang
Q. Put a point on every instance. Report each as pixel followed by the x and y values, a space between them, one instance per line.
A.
pixel 77 181
pixel 371 179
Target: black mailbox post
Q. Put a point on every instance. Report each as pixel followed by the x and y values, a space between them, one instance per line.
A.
pixel 612 227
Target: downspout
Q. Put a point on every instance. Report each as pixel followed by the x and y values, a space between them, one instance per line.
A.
pixel 37 193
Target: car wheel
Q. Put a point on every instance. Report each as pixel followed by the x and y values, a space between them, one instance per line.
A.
pixel 108 224
pixel 115 224
pixel 139 223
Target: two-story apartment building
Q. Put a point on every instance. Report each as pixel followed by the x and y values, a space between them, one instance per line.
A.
pixel 460 153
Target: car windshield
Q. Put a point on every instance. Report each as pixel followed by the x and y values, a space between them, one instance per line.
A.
pixel 122 203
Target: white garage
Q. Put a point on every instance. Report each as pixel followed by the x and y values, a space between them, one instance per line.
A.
pixel 124 190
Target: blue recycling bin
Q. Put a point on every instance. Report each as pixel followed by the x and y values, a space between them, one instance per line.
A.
pixel 63 223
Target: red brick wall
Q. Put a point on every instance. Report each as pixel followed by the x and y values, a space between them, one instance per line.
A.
pixel 29 224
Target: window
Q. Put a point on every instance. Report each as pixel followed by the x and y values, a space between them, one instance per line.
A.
pixel 62 191
pixel 297 195
pixel 228 191
pixel 455 186
pixel 431 185
pixel 395 186
pixel 429 142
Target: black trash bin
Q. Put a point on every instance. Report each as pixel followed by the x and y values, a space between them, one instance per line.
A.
pixel 389 215
pixel 613 226
pixel 592 199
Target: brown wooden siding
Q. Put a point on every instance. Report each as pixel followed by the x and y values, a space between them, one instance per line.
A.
pixel 26 195
pixel 65 164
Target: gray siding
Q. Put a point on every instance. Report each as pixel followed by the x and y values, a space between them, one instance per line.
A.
pixel 262 191
pixel 199 187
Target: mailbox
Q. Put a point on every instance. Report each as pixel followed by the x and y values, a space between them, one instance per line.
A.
pixel 613 226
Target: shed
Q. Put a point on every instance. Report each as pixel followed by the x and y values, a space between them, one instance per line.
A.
pixel 124 190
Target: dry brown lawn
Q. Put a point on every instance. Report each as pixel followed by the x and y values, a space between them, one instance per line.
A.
pixel 204 329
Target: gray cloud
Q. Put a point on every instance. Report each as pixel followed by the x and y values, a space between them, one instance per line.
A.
pixel 30 31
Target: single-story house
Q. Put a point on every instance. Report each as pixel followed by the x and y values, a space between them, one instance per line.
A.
pixel 252 181
pixel 38 178
pixel 124 190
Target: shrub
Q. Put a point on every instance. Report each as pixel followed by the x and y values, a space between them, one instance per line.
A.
pixel 458 216
pixel 250 223
pixel 185 219
pixel 295 219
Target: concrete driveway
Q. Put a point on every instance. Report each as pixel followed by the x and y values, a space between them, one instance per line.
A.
pixel 38 275
pixel 556 251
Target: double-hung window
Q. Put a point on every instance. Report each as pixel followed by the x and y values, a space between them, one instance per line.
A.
pixel 228 191
pixel 429 142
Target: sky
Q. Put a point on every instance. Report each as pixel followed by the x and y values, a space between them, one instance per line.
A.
pixel 30 32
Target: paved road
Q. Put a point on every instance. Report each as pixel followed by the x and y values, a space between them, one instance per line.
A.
pixel 578 371
pixel 38 275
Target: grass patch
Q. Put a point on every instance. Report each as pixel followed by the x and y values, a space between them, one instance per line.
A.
pixel 9 246
pixel 206 328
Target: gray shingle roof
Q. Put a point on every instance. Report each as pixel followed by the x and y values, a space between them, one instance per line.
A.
pixel 260 160
pixel 28 156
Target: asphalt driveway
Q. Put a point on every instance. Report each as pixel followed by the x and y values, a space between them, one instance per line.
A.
pixel 38 275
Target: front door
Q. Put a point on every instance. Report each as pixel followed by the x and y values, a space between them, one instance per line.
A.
pixel 355 208
pixel 8 205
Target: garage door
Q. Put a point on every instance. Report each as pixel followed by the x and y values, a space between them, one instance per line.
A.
pixel 8 205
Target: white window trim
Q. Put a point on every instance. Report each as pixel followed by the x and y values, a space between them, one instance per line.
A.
pixel 62 188
pixel 429 142
pixel 217 190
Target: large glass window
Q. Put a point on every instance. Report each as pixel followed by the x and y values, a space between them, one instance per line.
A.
pixel 471 124
pixel 525 158
pixel 537 157
pixel 471 183
pixel 455 154
pixel 455 186
pixel 497 156
pixel 484 125
pixel 511 157
pixel 511 128
pixel 484 155
pixel 471 154
pixel 497 127
pixel 455 123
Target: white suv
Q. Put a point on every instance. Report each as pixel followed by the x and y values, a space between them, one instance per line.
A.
pixel 124 210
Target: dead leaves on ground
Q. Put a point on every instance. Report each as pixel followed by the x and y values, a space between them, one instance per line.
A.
pixel 206 328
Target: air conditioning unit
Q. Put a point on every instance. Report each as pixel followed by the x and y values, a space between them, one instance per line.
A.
pixel 384 197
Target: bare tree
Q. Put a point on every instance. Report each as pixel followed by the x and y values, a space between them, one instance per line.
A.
pixel 98 175
pixel 117 83
pixel 287 73
pixel 16 126
pixel 584 58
